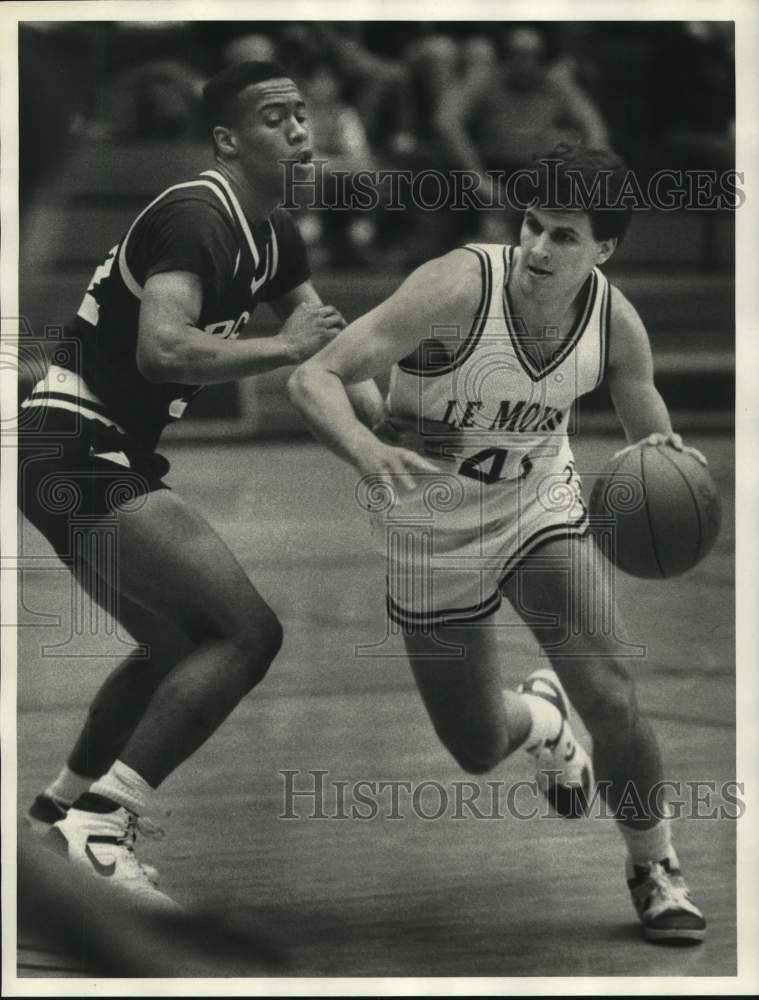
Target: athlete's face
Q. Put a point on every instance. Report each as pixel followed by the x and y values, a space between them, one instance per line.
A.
pixel 558 252
pixel 271 127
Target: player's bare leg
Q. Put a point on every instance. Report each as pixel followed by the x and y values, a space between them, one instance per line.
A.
pixel 625 750
pixel 117 707
pixel 476 720
pixel 457 671
pixel 172 562
pixel 124 695
pixel 587 661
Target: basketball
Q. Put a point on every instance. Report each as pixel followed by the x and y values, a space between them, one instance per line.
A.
pixel 664 510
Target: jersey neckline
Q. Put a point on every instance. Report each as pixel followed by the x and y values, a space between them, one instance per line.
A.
pixel 536 371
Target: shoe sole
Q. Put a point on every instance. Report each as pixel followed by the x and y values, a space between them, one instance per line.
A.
pixel 691 935
pixel 37 827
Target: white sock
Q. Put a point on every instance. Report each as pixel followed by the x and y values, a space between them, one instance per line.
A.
pixel 546 721
pixel 68 786
pixel 124 786
pixel 653 844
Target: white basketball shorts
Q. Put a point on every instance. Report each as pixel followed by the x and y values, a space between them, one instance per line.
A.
pixel 452 543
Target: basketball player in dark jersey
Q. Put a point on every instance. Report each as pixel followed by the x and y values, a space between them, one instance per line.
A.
pixel 540 325
pixel 161 318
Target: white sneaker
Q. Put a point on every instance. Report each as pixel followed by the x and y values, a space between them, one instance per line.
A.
pixel 564 768
pixel 46 810
pixel 43 812
pixel 103 845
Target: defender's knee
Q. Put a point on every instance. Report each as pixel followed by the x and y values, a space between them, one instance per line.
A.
pixel 259 642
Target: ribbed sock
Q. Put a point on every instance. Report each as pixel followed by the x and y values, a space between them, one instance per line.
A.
pixel 654 844
pixel 68 786
pixel 546 721
pixel 126 787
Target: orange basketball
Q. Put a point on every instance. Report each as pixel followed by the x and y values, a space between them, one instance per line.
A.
pixel 655 511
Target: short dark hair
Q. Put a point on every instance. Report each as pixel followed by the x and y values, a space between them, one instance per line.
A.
pixel 573 174
pixel 221 92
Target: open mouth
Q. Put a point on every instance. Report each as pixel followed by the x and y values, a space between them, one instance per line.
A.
pixel 305 156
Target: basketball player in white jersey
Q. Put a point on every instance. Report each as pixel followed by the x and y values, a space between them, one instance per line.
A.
pixel 489 346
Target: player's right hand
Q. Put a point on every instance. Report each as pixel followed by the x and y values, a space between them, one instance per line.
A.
pixel 308 328
pixel 433 438
pixel 399 465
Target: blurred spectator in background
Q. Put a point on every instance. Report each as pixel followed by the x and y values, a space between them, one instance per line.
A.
pixel 504 117
pixel 156 100
pixel 152 86
pixel 408 95
pixel 519 109
pixel 436 66
pixel 56 86
pixel 249 48
pixel 370 79
pixel 346 237
pixel 576 65
pixel 692 95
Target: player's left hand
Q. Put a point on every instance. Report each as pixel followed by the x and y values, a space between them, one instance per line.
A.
pixel 673 440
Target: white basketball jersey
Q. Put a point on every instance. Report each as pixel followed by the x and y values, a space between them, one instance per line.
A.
pixel 508 410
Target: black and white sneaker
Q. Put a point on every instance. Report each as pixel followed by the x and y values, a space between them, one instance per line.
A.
pixel 564 768
pixel 43 812
pixel 102 844
pixel 663 904
pixel 46 810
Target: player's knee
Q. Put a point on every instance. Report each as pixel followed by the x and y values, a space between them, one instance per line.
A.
pixel 259 641
pixel 475 756
pixel 470 764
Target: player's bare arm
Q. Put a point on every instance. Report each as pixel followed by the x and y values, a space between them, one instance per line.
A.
pixel 442 292
pixel 638 403
pixel 364 396
pixel 171 348
pixel 639 406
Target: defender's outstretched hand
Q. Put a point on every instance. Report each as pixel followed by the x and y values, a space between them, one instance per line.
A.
pixel 308 328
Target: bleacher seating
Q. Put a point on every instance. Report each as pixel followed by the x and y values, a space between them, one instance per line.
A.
pixel 677 269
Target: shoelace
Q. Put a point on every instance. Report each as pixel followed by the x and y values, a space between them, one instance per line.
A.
pixel 661 883
pixel 147 828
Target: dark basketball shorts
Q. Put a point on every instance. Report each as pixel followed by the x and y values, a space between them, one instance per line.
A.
pixel 76 473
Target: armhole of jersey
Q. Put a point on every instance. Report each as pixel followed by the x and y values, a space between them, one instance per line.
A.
pixel 121 256
pixel 222 184
pixel 604 327
pixel 478 323
pixel 274 251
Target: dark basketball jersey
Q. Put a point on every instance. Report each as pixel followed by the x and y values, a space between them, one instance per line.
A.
pixel 198 226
